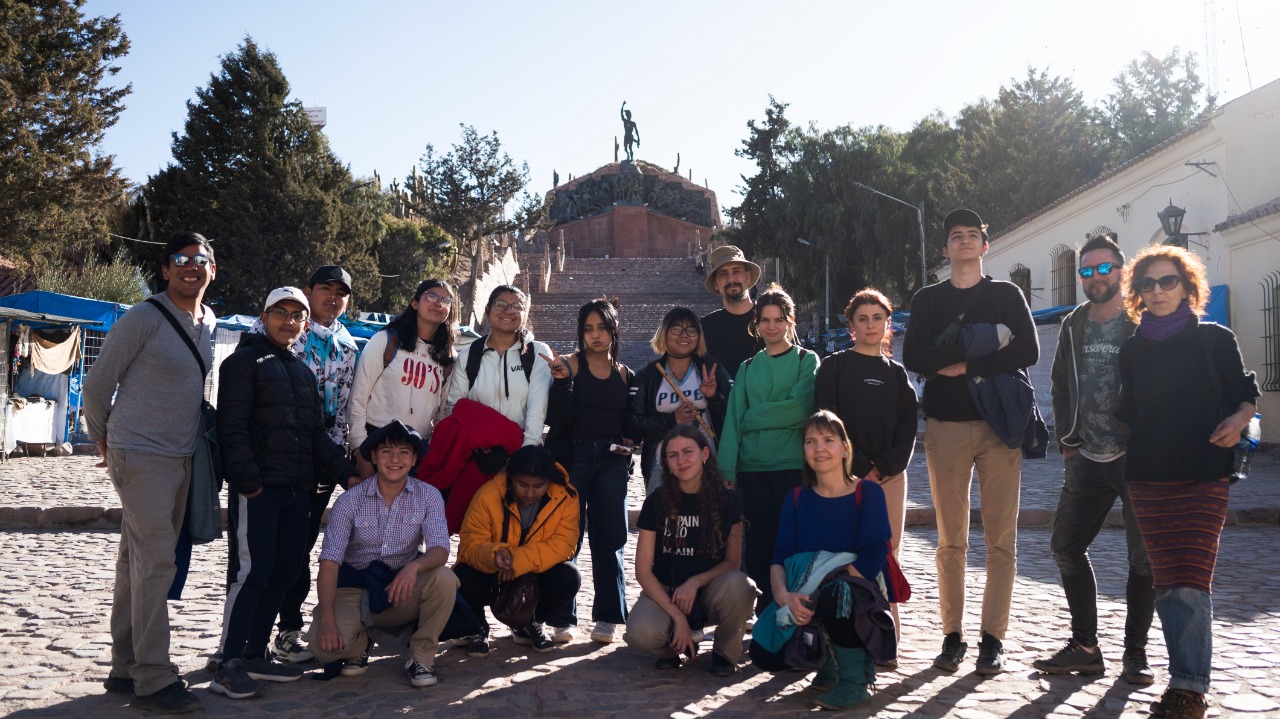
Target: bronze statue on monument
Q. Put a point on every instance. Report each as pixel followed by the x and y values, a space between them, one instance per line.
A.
pixel 630 133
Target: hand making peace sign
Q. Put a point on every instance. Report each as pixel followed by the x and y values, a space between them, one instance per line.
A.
pixel 708 385
pixel 559 368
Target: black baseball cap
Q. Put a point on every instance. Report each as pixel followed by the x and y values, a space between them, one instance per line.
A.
pixel 395 429
pixel 332 273
pixel 963 218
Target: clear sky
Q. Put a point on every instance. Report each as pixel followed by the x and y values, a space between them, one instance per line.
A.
pixel 549 76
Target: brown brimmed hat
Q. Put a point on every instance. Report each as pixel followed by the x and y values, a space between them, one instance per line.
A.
pixel 722 256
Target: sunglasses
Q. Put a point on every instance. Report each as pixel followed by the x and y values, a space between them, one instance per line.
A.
pixel 685 330
pixel 182 260
pixel 433 298
pixel 1167 283
pixel 1102 268
pixel 281 313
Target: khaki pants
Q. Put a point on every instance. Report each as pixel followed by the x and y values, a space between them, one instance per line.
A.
pixel 953 450
pixel 435 591
pixel 729 601
pixel 153 496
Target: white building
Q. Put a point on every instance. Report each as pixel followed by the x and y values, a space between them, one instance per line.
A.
pixel 1225 173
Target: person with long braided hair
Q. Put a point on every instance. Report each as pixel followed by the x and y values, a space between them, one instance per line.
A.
pixel 687 560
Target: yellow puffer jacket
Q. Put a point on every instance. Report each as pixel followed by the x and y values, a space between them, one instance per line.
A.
pixel 553 536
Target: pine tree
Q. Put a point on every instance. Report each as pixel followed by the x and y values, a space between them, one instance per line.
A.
pixel 58 193
pixel 252 174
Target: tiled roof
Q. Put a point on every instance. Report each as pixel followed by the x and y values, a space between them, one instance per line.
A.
pixel 1263 210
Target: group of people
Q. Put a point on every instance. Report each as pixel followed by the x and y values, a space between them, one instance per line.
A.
pixel 775 482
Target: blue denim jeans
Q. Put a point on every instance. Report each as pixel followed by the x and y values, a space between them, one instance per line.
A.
pixel 1186 614
pixel 1089 491
pixel 601 477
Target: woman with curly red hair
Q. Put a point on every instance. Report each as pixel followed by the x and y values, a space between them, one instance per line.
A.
pixel 1185 395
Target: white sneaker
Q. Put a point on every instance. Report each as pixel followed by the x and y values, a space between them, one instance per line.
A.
pixel 603 632
pixel 562 635
pixel 288 647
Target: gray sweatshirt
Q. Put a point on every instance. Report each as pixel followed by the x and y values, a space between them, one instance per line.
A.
pixel 155 379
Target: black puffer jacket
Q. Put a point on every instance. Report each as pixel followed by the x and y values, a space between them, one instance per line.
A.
pixel 270 423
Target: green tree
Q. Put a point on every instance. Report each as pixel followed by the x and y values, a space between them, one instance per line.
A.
pixel 56 189
pixel 251 173
pixel 471 192
pixel 115 281
pixel 1154 99
pixel 756 223
pixel 1038 141
pixel 410 250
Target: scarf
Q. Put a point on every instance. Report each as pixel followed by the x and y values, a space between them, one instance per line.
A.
pixel 1158 329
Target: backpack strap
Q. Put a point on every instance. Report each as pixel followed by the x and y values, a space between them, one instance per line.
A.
pixel 389 352
pixel 526 360
pixel 473 359
pixel 186 339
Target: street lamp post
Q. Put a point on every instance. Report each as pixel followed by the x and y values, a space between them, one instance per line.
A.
pixel 924 272
pixel 826 283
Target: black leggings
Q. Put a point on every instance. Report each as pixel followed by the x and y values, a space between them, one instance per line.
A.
pixel 556 589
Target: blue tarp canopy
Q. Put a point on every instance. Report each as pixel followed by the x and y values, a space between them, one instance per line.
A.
pixel 96 314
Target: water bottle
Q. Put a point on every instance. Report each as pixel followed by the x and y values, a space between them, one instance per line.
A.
pixel 1245 448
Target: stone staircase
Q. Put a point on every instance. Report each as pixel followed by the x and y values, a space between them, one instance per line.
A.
pixel 646 289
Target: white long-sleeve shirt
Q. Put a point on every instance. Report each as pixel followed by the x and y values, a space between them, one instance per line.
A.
pixel 519 400
pixel 409 389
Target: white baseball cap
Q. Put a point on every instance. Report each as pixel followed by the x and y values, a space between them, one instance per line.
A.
pixel 280 294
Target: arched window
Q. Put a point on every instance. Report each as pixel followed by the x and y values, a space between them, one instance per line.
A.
pixel 1064 275
pixel 1020 275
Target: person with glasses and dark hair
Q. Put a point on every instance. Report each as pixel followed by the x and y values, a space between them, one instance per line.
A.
pixel 506 376
pixel 1086 390
pixel 274 443
pixel 588 401
pixel 683 386
pixel 404 370
pixel 1185 395
pixel 142 406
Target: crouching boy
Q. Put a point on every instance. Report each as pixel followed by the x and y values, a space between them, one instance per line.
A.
pixel 375 543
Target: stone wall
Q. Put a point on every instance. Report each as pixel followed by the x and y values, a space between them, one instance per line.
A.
pixel 627 231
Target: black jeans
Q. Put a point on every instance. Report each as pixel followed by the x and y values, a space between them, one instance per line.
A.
pixel 762 496
pixel 1089 490
pixel 556 589
pixel 291 606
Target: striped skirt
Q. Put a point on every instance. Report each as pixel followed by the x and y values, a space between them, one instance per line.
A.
pixel 1181 523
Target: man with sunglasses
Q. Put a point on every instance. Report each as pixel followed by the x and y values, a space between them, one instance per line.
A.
pixel 329 350
pixel 1086 392
pixel 147 437
pixel 271 428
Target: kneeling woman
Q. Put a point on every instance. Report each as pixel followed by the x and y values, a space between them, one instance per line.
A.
pixel 834 512
pixel 523 520
pixel 687 559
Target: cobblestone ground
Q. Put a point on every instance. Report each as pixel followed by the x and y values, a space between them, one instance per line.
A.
pixel 53 630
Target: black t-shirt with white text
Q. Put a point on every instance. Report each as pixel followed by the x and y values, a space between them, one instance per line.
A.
pixel 676 555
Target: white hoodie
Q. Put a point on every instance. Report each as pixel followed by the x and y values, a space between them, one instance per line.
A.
pixel 519 400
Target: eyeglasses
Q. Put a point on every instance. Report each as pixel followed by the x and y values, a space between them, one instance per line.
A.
pixel 445 300
pixel 1167 283
pixel 1102 268
pixel 685 330
pixel 503 306
pixel 182 260
pixel 281 313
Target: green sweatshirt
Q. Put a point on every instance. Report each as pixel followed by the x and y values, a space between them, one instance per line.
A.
pixel 771 399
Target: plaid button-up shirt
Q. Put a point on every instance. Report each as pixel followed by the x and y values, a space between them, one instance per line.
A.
pixel 363 528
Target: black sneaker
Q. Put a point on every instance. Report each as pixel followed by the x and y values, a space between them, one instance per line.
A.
pixel 356 667
pixel 952 653
pixel 233 681
pixel 1073 658
pixel 721 667
pixel 175 698
pixel 478 646
pixel 669 663
pixel 539 639
pixel 266 670
pixel 1179 704
pixel 990 656
pixel 1136 669
pixel 420 675
pixel 289 647
pixel 118 685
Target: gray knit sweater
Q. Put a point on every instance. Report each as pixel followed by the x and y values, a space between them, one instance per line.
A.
pixel 155 379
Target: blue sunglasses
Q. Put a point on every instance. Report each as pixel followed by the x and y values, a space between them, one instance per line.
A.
pixel 1103 268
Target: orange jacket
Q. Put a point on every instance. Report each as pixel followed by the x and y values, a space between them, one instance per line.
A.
pixel 553 536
